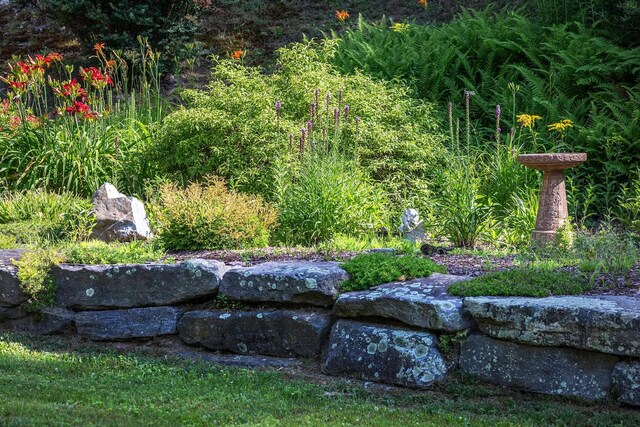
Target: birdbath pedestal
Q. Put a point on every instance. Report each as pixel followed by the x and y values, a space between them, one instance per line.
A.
pixel 552 208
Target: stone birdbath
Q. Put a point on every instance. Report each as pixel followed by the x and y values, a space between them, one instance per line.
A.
pixel 552 209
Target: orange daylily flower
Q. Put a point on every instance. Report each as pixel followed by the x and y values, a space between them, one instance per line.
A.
pixel 98 47
pixel 238 54
pixel 342 15
pixel 423 3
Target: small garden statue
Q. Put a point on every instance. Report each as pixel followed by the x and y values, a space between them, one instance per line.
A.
pixel 412 228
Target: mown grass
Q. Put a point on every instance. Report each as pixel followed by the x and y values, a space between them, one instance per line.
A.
pixel 44 384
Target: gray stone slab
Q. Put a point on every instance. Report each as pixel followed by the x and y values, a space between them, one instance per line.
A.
pixel 281 333
pixel 135 323
pixel 609 324
pixel 12 313
pixel 384 354
pixel 291 281
pixel 10 293
pixel 626 382
pixel 89 287
pixel 241 360
pixel 422 302
pixel 548 370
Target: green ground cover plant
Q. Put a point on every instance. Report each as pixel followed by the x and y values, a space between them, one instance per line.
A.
pixel 99 252
pixel 44 383
pixel 372 269
pixel 526 282
pixel 34 275
pixel 561 72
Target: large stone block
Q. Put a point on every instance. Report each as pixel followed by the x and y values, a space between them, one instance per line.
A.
pixel 421 302
pixel 626 382
pixel 294 282
pixel 384 354
pixel 549 370
pixel 275 333
pixel 88 287
pixel 135 323
pixel 609 324
pixel 10 293
pixel 118 217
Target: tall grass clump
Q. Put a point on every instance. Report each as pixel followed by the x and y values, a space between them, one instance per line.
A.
pixel 325 196
pixel 64 129
pixel 37 216
pixel 248 124
pixel 562 74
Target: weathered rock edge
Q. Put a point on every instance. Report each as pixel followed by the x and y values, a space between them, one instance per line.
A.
pixel 282 333
pixel 384 354
pixel 91 287
pixel 129 324
pixel 548 370
pixel 11 294
pixel 303 282
pixel 608 324
pixel 422 302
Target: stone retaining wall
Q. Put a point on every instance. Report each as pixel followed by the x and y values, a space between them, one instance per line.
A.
pixel 583 346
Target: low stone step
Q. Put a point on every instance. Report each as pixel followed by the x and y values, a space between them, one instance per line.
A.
pixel 384 354
pixel 10 293
pixel 291 281
pixel 548 370
pixel 135 323
pixel 90 287
pixel 242 360
pixel 626 382
pixel 609 324
pixel 422 302
pixel 282 333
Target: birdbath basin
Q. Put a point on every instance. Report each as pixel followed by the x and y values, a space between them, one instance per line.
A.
pixel 552 208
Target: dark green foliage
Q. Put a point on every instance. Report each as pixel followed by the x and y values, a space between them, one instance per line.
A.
pixel 563 72
pixel 367 270
pixel 167 24
pixel 528 282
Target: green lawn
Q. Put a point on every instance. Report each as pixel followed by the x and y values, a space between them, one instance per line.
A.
pixel 41 383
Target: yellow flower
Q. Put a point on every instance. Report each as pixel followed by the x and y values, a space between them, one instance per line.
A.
pixel 561 126
pixel 527 120
pixel 400 28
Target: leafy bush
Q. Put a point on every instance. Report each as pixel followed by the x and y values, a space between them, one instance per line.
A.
pixel 527 282
pixel 166 23
pixel 233 129
pixel 605 251
pixel 367 270
pixel 209 216
pixel 34 276
pixel 99 252
pixel 39 216
pixel 560 72
pixel 328 195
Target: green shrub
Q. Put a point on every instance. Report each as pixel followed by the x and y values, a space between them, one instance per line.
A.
pixel 605 251
pixel 367 270
pixel 559 72
pixel 40 216
pixel 328 195
pixel 209 216
pixel 526 282
pixel 232 129
pixel 34 276
pixel 99 252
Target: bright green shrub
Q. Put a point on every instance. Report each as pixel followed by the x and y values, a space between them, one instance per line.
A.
pixel 232 129
pixel 209 216
pixel 528 282
pixel 328 195
pixel 367 270
pixel 560 72
pixel 34 269
pixel 39 216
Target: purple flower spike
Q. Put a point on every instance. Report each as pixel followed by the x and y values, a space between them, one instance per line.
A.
pixel 340 97
pixel 346 115
pixel 309 128
pixel 499 130
pixel 336 116
pixel 498 111
pixel 278 106
pixel 312 108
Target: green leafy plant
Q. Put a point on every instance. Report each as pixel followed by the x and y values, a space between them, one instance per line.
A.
pixel 530 282
pixel 34 276
pixel 367 270
pixel 209 216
